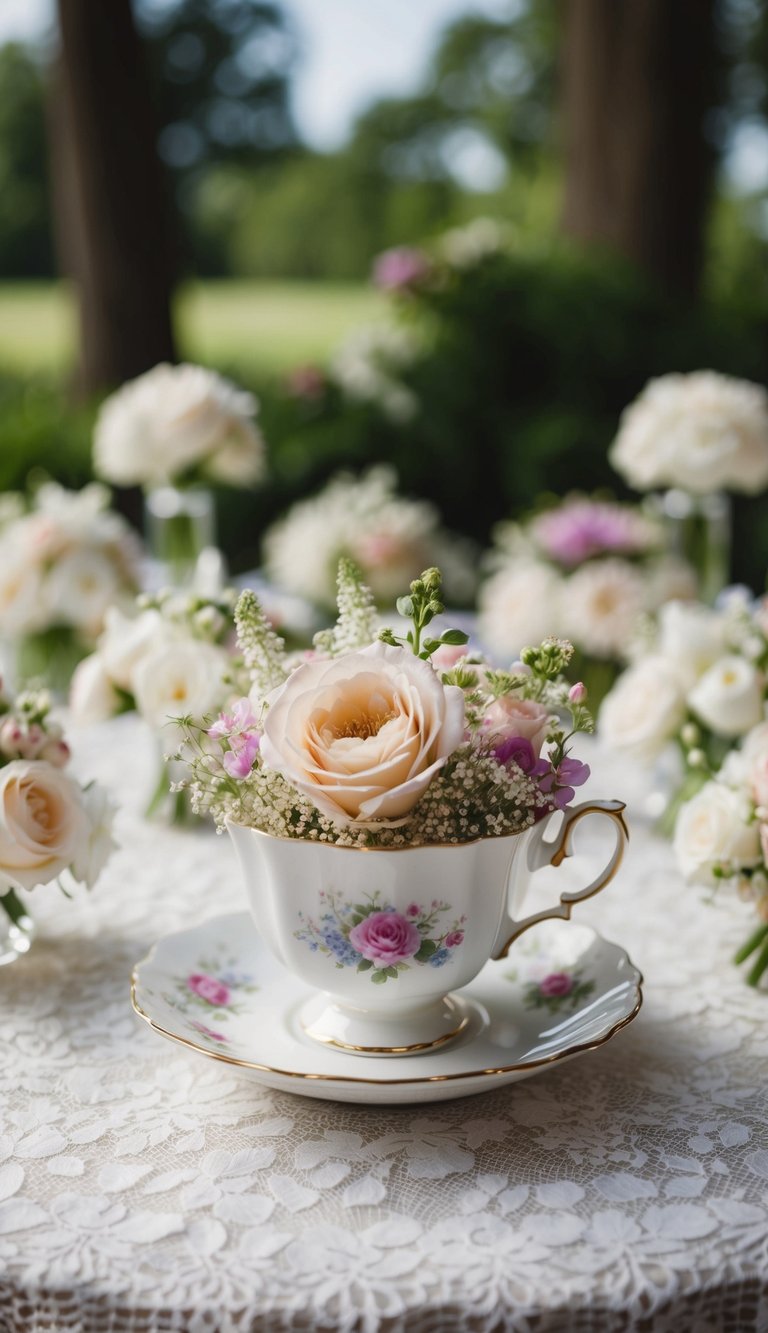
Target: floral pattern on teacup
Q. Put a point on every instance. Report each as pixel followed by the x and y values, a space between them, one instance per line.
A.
pixel 374 937
pixel 556 991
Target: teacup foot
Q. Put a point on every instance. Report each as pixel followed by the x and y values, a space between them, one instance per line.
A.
pixel 411 1032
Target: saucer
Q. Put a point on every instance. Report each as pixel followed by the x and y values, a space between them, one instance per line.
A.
pixel 216 989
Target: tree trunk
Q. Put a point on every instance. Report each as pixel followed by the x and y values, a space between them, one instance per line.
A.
pixel 639 78
pixel 112 214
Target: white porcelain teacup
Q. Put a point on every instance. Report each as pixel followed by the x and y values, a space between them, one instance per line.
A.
pixel 387 936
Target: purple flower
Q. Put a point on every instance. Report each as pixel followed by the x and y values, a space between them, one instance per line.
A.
pixel 385 938
pixel 240 729
pixel 559 783
pixel 557 983
pixel 399 269
pixel 515 750
pixel 239 761
pixel 210 989
pixel 580 529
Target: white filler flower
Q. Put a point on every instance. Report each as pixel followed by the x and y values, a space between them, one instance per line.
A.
pixel 702 432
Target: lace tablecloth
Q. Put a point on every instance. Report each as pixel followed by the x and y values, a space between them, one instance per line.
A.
pixel 143 1187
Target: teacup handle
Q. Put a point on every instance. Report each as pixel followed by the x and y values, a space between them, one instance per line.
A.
pixel 542 853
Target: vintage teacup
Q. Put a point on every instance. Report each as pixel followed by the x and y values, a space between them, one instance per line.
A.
pixel 388 936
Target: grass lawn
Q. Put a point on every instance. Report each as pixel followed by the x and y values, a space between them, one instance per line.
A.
pixel 256 327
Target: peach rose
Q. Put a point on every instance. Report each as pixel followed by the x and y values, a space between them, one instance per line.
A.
pixel 43 823
pixel 509 716
pixel 363 735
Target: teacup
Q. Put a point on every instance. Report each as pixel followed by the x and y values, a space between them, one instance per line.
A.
pixel 388 936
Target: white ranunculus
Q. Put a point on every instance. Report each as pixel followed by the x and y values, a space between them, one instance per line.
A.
pixel 713 829
pixel 729 697
pixel 43 823
pixel 692 636
pixel 178 679
pixel 602 603
pixel 363 735
pixel 520 604
pixel 173 419
pixel 703 432
pixel 79 589
pixel 644 709
pixel 92 696
pixel 127 640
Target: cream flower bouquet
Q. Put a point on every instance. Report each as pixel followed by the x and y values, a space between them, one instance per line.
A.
pixel 380 740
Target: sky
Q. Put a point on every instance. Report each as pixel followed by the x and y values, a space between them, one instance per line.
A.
pixel 352 51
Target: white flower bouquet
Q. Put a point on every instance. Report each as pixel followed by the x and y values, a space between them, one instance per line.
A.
pixel 51 827
pixel 165 660
pixel 388 741
pixel 65 559
pixel 586 568
pixel 389 537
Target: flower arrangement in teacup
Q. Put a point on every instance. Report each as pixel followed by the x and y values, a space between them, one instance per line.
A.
pixel 388 536
pixel 698 684
pixel 423 757
pixel 51 826
pixel 584 567
pixel 65 559
pixel 167 659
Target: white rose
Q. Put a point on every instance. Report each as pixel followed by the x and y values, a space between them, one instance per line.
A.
pixel 79 589
pixel 363 735
pixel 712 830
pixel 178 679
pixel 175 418
pixel 127 640
pixel 729 697
pixel 21 603
pixel 644 709
pixel 703 432
pixel 43 823
pixel 92 696
pixel 520 604
pixel 692 636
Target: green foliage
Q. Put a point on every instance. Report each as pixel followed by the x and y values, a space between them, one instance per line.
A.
pixel 26 246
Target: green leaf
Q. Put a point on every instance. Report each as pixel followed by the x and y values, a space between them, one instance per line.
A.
pixel 454 636
pixel 363 908
pixel 431 644
pixel 391 971
pixel 379 978
pixel 428 947
pixel 364 965
pixel 405 607
pixel 357 918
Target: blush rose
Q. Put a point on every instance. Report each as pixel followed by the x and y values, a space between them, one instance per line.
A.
pixel 43 823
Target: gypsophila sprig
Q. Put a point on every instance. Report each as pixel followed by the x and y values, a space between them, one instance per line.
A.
pixel 388 742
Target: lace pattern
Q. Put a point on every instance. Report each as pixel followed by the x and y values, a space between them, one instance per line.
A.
pixel 144 1188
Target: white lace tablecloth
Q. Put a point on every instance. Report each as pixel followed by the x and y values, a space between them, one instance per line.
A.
pixel 145 1188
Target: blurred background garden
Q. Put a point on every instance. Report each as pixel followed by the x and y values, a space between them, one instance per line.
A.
pixel 570 199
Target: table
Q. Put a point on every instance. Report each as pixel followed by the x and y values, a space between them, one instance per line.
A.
pixel 145 1188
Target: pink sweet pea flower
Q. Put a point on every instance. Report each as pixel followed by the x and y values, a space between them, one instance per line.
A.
pixel 240 729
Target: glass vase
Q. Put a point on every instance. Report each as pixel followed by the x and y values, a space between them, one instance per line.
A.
pixel 17 929
pixel 179 524
pixel 698 529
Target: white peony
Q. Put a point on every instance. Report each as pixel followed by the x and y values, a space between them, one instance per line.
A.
pixel 601 605
pixel 92 695
pixel 703 432
pixel 363 735
pixel 713 830
pixel 177 679
pixel 44 826
pixel 644 709
pixel 174 419
pixel 520 604
pixel 729 697
pixel 80 588
pixel 127 640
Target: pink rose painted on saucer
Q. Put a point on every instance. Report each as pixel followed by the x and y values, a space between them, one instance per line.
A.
pixel 210 989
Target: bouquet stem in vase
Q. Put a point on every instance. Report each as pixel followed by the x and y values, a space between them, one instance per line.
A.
pixel 699 531
pixel 17 928
pixel 179 525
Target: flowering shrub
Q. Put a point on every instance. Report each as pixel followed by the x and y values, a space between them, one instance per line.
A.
pixel 390 741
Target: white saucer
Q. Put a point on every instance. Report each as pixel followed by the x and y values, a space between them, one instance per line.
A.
pixel 216 989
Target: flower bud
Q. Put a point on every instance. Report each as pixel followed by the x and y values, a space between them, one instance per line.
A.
pixel 697 759
pixel 577 693
pixel 690 734
pixel 11 737
pixel 56 752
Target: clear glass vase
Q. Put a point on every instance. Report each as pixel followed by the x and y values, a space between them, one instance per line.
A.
pixel 179 524
pixel 17 929
pixel 698 529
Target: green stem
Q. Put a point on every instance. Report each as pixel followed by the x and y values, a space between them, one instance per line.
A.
pixel 749 946
pixel 759 967
pixel 162 789
pixel 14 907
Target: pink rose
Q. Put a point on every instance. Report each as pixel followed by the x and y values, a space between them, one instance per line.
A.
pixel 210 989
pixel 557 983
pixel 385 938
pixel 413 909
pixel 447 655
pixel 454 939
pixel 510 716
